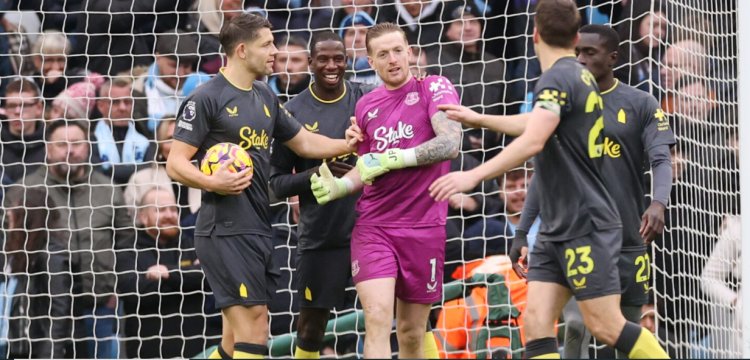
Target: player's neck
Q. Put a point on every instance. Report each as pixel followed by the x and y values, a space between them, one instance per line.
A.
pixel 393 86
pixel 326 94
pixel 607 82
pixel 239 77
pixel 549 55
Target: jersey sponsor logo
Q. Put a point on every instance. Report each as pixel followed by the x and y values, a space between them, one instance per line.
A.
pixel 313 127
pixel 233 111
pixel 189 113
pixel 372 114
pixel 385 136
pixel 411 98
pixel 185 125
pixel 440 88
pixel 662 124
pixel 251 138
pixel 355 267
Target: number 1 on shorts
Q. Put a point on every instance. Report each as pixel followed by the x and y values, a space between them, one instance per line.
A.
pixel 433 264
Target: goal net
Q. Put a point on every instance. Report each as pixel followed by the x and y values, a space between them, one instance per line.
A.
pixel 96 283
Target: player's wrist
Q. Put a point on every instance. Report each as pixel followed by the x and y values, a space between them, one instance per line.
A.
pixel 395 159
pixel 344 186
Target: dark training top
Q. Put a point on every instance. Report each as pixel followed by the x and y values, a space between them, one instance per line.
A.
pixel 216 112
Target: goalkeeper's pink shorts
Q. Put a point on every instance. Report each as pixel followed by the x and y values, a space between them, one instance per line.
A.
pixel 412 256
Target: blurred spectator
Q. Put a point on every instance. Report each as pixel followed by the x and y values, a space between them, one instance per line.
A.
pixel 291 71
pixel 53 14
pixel 353 29
pixel 207 17
pixel 162 286
pixel 299 18
pixel 51 72
pixel 644 37
pixel 118 146
pixel 686 57
pixel 161 90
pixel 348 7
pixel 113 37
pixel 77 101
pixel 36 278
pixel 93 212
pixel 694 107
pixel 477 75
pixel 418 62
pixel 16 44
pixel 155 176
pixel 22 132
pixel 720 281
pixel 420 19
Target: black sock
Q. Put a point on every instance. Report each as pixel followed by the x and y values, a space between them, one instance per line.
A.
pixel 541 346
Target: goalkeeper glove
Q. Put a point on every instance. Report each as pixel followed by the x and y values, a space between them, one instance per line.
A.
pixel 327 187
pixel 372 165
pixel 519 241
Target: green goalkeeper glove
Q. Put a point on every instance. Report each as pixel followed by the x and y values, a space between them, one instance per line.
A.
pixel 327 187
pixel 372 165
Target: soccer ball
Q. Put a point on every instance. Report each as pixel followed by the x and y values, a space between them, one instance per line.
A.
pixel 223 152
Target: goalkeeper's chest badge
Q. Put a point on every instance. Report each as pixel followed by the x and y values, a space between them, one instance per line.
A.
pixel 411 98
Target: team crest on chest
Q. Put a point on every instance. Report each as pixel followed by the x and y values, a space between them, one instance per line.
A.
pixel 411 98
pixel 188 114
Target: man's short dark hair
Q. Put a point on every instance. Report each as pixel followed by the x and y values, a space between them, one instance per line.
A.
pixel 22 85
pixel 324 36
pixel 608 34
pixel 292 40
pixel 53 125
pixel 241 28
pixel 557 22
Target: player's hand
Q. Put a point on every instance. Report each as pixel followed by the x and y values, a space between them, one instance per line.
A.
pixel 225 182
pixel 462 114
pixel 326 187
pixel 372 165
pixel 338 168
pixel 353 134
pixel 157 272
pixel 453 183
pixel 652 222
pixel 518 254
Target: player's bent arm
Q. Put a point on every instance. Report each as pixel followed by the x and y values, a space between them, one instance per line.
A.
pixel 542 124
pixel 314 146
pixel 446 143
pixel 512 125
pixel 531 208
pixel 181 170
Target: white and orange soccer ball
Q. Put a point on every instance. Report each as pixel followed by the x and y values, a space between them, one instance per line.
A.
pixel 223 152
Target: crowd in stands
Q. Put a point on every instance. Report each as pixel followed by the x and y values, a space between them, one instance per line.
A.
pixel 98 247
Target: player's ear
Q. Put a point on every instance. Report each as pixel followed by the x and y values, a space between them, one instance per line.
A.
pixel 369 61
pixel 613 58
pixel 239 50
pixel 535 36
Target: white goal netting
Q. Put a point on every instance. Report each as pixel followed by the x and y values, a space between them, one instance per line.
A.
pixel 83 276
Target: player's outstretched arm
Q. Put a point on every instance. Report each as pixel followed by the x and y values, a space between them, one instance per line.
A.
pixel 224 182
pixel 542 125
pixel 512 125
pixel 314 146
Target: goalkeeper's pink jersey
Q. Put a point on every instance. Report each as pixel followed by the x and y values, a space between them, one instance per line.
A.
pixel 401 119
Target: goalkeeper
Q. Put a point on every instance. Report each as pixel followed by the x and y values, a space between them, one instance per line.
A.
pixel 634 122
pixel 398 242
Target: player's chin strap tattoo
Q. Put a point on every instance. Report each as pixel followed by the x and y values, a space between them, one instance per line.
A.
pixel 444 146
pixel 446 143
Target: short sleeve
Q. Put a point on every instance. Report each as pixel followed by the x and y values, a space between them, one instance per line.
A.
pixel 439 90
pixel 286 126
pixel 656 130
pixel 553 92
pixel 193 123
